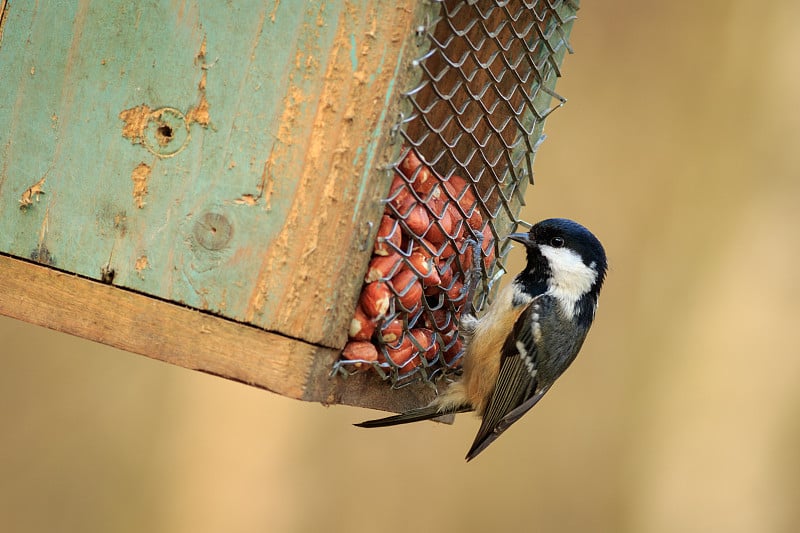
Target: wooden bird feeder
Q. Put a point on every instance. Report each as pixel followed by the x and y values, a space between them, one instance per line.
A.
pixel 201 183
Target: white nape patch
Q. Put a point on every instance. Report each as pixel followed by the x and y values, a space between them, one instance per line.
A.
pixel 570 278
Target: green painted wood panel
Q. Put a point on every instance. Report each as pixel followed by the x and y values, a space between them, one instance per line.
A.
pixel 171 137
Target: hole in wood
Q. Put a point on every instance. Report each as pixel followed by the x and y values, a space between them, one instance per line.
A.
pixel 164 134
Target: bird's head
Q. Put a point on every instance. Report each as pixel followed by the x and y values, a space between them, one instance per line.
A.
pixel 564 259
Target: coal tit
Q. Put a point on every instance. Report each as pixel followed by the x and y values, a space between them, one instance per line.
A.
pixel 528 336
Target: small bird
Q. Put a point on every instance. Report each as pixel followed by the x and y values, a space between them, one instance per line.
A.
pixel 528 336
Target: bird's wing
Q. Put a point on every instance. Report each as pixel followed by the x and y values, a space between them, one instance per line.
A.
pixel 516 390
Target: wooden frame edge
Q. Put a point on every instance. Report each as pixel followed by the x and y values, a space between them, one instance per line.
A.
pixel 189 338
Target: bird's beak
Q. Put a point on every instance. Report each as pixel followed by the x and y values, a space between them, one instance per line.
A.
pixel 524 238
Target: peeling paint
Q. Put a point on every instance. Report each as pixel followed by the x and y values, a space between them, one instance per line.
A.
pixel 201 54
pixel 138 127
pixel 3 17
pixel 140 176
pixel 274 11
pixel 307 108
pixel 246 199
pixel 141 264
pixel 291 102
pixel 199 113
pixel 31 193
pixel 121 223
pixel 135 120
pixel 264 188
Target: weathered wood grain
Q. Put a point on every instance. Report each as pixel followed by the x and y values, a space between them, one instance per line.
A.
pixel 3 5
pixel 221 155
pixel 186 337
pixel 320 250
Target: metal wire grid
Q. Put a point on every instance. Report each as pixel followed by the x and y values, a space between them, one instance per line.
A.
pixel 473 126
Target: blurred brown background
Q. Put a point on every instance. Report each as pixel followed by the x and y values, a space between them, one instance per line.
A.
pixel 680 148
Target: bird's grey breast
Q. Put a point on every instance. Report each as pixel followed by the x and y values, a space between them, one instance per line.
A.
pixel 558 338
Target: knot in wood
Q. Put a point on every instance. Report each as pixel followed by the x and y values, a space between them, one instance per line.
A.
pixel 213 231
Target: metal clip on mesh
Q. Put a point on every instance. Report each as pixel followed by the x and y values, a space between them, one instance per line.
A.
pixel 474 123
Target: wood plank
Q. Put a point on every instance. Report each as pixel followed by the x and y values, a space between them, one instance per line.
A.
pixel 257 205
pixel 188 338
pixel 316 262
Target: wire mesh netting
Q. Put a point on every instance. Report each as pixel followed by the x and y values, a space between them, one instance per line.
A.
pixel 473 124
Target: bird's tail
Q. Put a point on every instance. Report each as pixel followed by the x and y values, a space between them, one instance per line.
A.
pixel 414 415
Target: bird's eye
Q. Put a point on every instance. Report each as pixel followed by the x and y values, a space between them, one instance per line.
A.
pixel 557 242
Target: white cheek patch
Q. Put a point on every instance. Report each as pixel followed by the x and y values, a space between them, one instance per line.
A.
pixel 570 278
